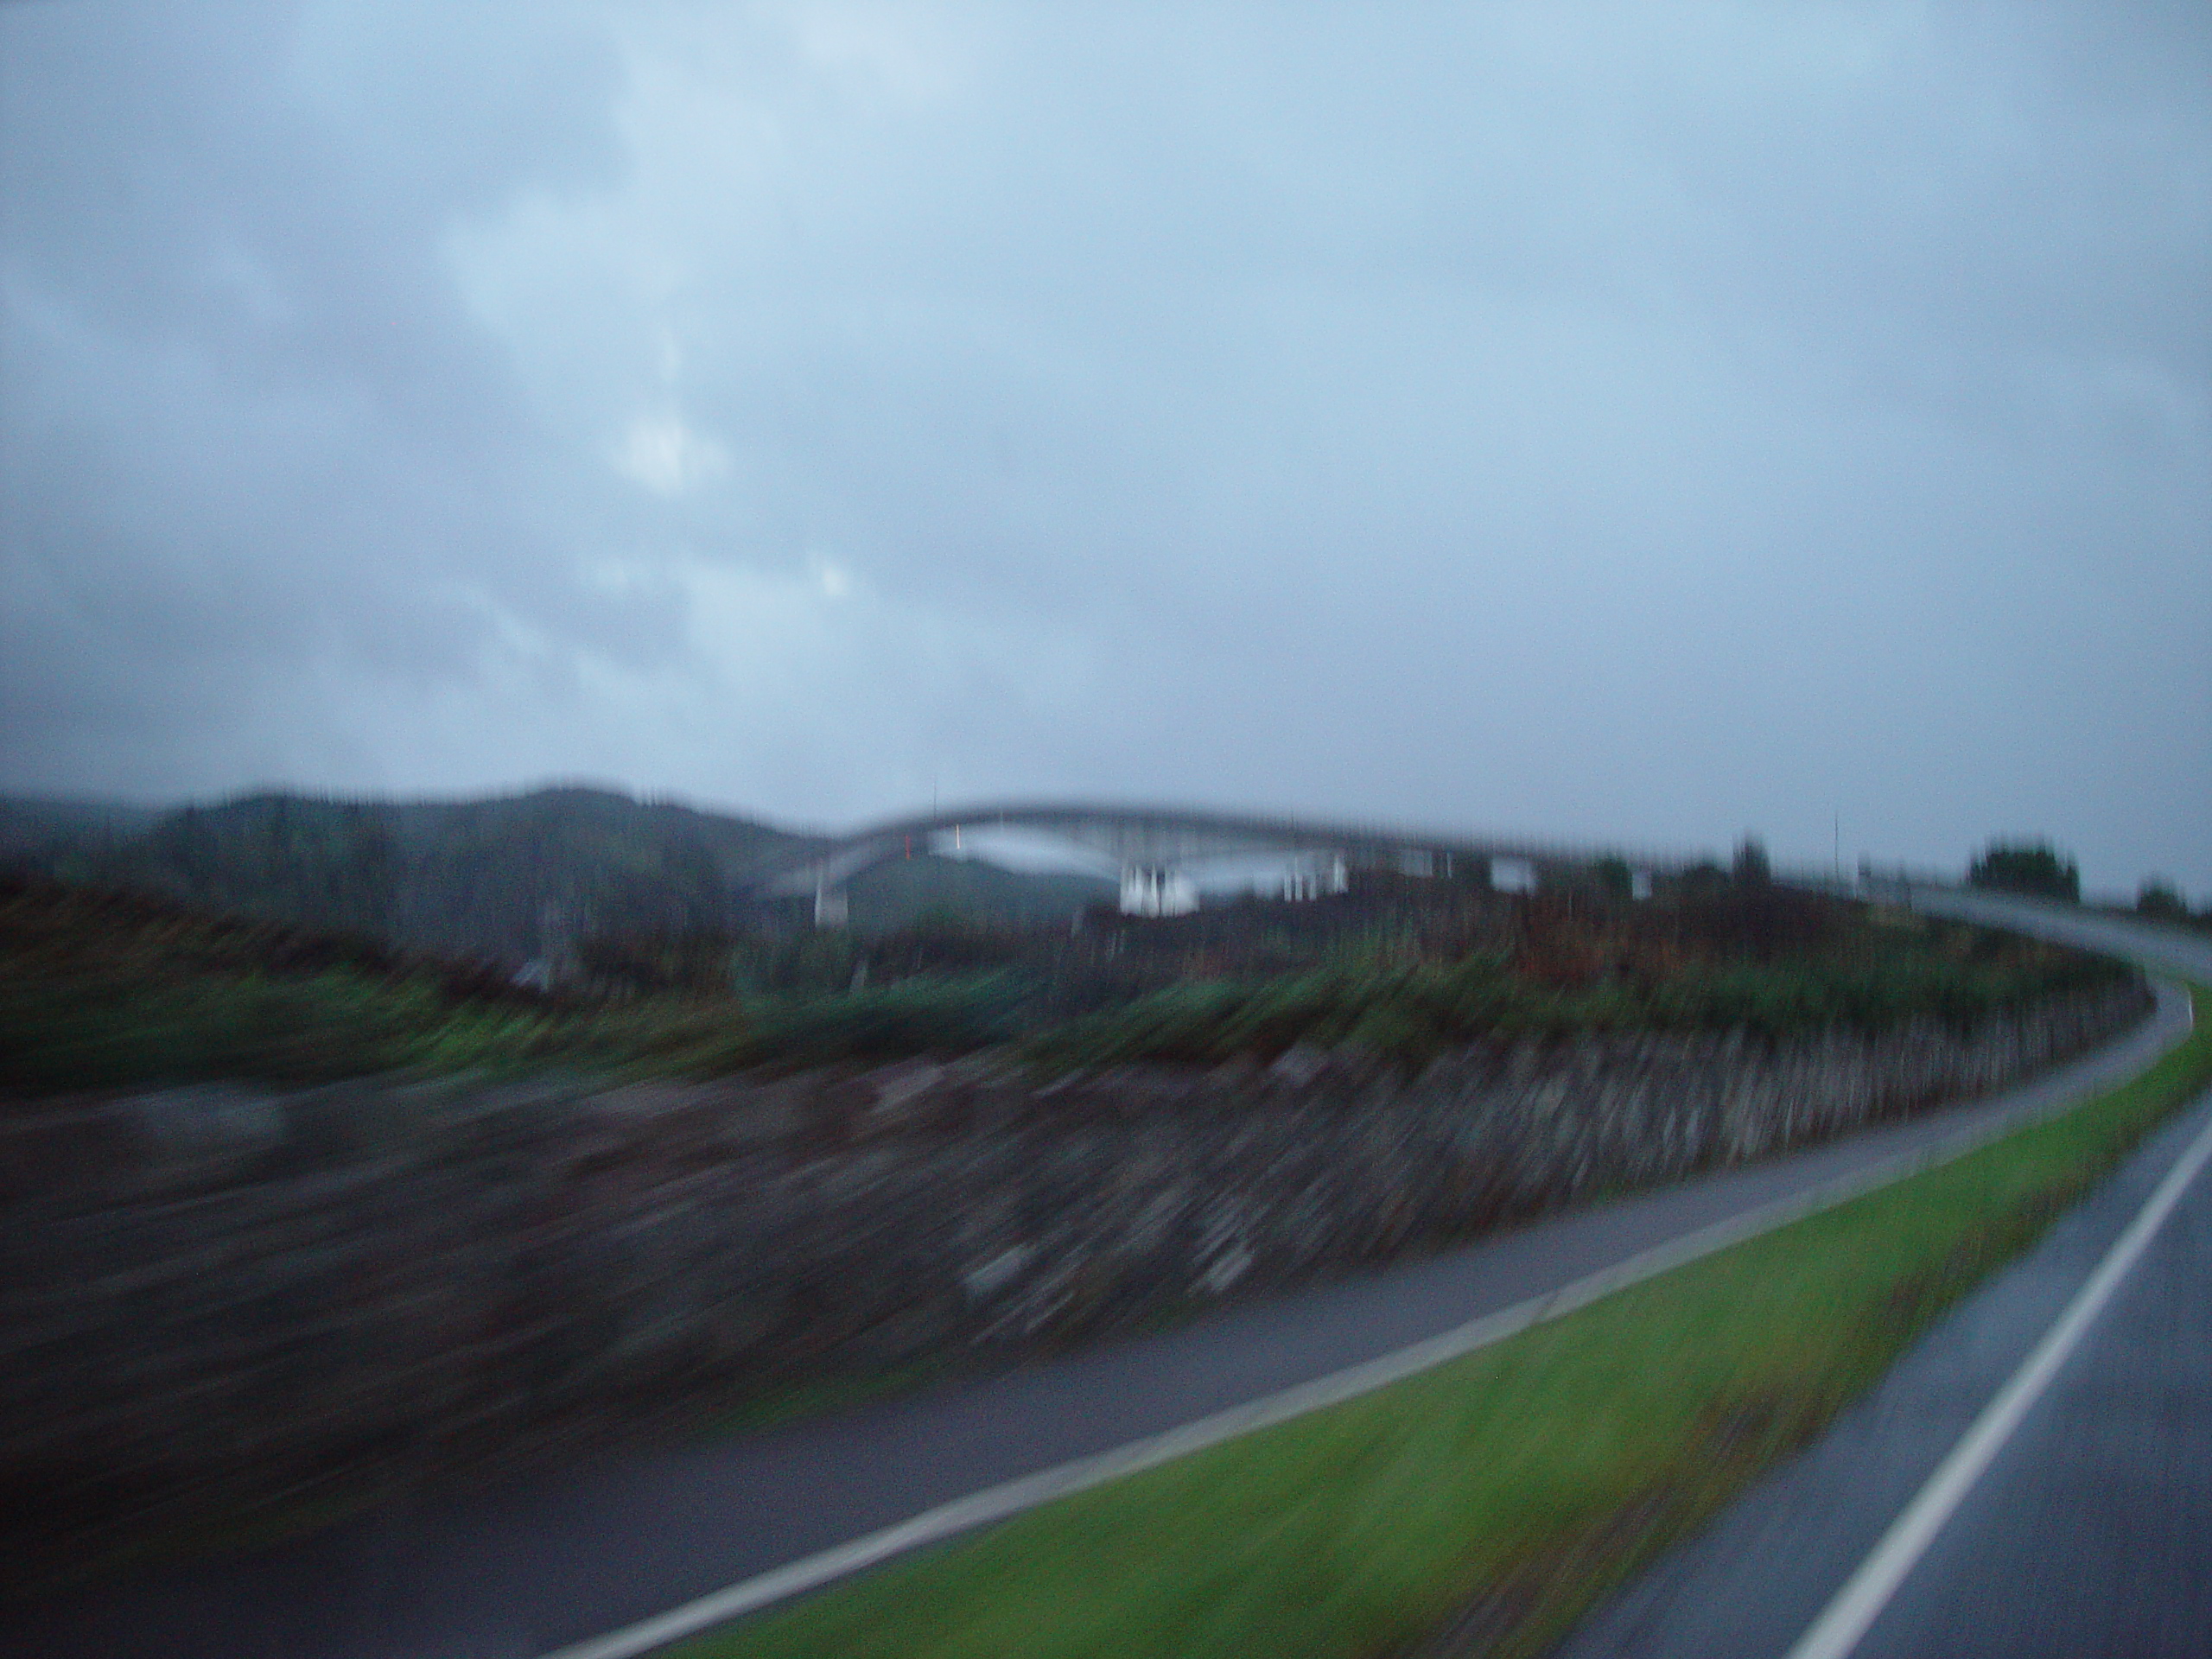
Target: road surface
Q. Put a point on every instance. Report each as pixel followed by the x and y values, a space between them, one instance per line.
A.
pixel 2089 1529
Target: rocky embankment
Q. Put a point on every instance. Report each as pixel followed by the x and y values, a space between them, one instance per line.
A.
pixel 216 1289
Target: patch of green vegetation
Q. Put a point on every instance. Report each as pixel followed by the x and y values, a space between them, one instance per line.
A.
pixel 1411 1013
pixel 100 988
pixel 1504 1492
pixel 103 990
pixel 912 1016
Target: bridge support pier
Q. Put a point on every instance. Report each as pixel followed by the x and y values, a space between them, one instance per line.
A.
pixel 1150 890
pixel 1312 877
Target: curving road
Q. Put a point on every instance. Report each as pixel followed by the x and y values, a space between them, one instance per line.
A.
pixel 556 1563
pixel 2001 1492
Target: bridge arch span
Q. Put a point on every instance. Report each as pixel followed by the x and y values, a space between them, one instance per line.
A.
pixel 1155 844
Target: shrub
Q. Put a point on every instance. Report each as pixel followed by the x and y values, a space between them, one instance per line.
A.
pixel 1751 868
pixel 2160 902
pixel 2032 868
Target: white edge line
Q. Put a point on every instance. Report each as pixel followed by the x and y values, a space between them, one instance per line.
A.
pixel 1011 1498
pixel 1860 1601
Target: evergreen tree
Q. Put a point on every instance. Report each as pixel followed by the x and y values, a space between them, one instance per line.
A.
pixel 2034 868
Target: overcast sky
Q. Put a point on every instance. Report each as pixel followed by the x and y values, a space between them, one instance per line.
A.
pixel 1646 423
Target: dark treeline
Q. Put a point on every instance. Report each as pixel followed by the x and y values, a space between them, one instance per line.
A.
pixel 2036 868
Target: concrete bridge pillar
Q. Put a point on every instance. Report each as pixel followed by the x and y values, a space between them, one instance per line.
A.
pixel 1310 878
pixel 832 908
pixel 1154 890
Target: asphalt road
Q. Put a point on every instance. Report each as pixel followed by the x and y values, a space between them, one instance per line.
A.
pixel 2089 1532
pixel 543 1563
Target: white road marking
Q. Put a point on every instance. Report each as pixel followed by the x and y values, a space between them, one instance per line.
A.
pixel 1012 1497
pixel 1856 1606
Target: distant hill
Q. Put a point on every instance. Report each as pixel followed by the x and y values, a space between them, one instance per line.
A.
pixel 510 878
pixel 35 825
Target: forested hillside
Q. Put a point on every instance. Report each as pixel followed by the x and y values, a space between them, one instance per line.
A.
pixel 39 828
pixel 510 880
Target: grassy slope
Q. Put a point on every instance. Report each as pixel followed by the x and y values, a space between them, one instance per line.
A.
pixel 102 989
pixel 1509 1490
pixel 31 824
pixel 99 988
pixel 1413 1013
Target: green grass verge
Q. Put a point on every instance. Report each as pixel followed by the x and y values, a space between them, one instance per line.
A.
pixel 1501 1494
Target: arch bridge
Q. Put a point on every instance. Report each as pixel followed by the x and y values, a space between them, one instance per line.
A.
pixel 1157 847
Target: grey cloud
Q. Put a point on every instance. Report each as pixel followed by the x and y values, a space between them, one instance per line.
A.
pixel 250 429
pixel 1647 422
